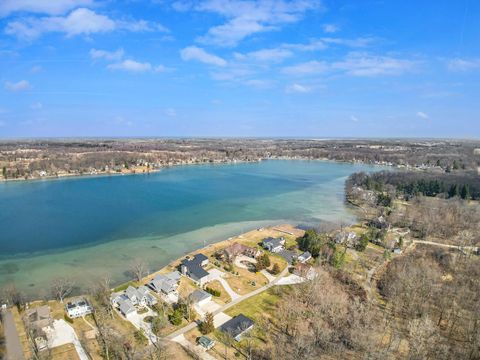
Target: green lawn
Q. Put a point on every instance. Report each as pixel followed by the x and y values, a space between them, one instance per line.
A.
pixel 256 307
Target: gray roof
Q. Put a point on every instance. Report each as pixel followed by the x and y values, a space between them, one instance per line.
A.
pixel 174 275
pixel 194 267
pixel 199 295
pixel 237 326
pixel 273 242
pixel 126 306
pixel 132 293
pixel 306 255
pixel 288 255
pixel 164 283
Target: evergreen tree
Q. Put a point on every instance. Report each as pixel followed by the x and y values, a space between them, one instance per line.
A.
pixel 207 326
pixel 465 192
pixel 4 172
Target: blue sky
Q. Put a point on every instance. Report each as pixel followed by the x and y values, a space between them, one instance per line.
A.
pixel 240 68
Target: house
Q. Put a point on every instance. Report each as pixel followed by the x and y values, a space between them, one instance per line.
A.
pixel 274 244
pixel 78 308
pixel 200 297
pixel 236 249
pixel 39 317
pixel 289 255
pixel 194 269
pixel 305 271
pixel 126 307
pixel 206 342
pixel 303 258
pixel 132 297
pixel 166 284
pixel 348 238
pixel 237 326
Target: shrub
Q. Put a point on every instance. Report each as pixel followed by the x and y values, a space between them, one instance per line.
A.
pixel 275 269
pixel 68 319
pixel 176 317
pixel 214 292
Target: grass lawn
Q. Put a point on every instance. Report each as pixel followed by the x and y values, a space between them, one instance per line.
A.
pixel 224 297
pixel 277 259
pixel 186 287
pixel 242 284
pixel 64 352
pixel 257 307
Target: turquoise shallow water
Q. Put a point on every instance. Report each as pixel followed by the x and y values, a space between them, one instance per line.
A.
pixel 85 227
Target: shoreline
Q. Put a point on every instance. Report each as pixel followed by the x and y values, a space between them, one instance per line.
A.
pixel 213 163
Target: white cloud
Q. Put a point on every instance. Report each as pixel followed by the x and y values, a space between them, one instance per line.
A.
pixel 136 67
pixel 245 18
pixel 22 85
pixel 258 83
pixel 330 28
pixel 36 106
pixel 50 7
pixel 310 67
pixel 36 69
pixel 463 65
pixel 324 43
pixel 354 118
pixel 422 115
pixel 196 53
pixel 81 21
pixel 266 55
pixel 297 88
pixel 360 64
pixel 107 55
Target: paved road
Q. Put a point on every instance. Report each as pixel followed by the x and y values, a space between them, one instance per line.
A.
pixel 229 305
pixel 14 346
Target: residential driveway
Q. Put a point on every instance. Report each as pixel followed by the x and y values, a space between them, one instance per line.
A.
pixel 137 321
pixel 220 319
pixel 218 275
pixel 170 298
pixel 269 276
pixel 240 258
pixel 197 349
pixel 210 307
pixel 290 280
pixel 62 333
pixel 14 346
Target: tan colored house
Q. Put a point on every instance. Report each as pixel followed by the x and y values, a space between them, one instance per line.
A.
pixel 39 317
pixel 237 249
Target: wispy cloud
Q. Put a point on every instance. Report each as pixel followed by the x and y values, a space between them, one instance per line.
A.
pixel 330 28
pixel 266 55
pixel 463 65
pixel 422 115
pixel 199 54
pixel 136 66
pixel 21 85
pixel 107 55
pixel 362 64
pixel 170 112
pixel 326 42
pixel 245 18
pixel 309 67
pixel 81 21
pixel 50 7
pixel 354 118
pixel 297 88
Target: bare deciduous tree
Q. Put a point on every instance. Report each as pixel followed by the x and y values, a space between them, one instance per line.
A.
pixel 61 288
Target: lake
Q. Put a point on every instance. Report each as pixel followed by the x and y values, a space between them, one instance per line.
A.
pixel 89 226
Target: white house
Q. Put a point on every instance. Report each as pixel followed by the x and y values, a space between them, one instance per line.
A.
pixel 304 257
pixel 274 245
pixel 200 297
pixel 78 308
pixel 166 284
